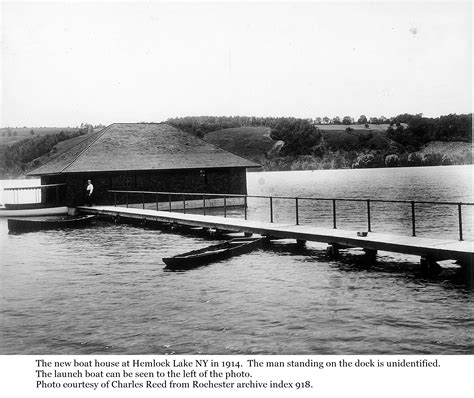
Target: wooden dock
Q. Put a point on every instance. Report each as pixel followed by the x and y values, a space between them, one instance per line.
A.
pixel 428 249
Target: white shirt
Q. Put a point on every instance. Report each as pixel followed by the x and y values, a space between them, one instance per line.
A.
pixel 90 188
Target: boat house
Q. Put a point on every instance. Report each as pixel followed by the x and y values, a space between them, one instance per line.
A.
pixel 142 157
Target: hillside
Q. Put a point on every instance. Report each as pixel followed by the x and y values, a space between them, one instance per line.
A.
pixel 253 143
pixel 340 147
pixel 23 154
pixel 357 137
pixel 10 135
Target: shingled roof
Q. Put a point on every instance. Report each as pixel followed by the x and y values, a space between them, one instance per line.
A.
pixel 140 146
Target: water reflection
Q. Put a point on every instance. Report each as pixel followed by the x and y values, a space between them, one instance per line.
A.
pixel 102 289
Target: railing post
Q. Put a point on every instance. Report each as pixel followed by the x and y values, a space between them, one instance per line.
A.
pixel 297 215
pixel 156 202
pixel 143 200
pixel 413 218
pixel 225 206
pixel 334 213
pixel 57 194
pixel 368 216
pixel 184 204
pixel 460 221
pixel 115 199
pixel 271 209
pixel 204 205
pixel 126 198
pixel 169 202
pixel 245 207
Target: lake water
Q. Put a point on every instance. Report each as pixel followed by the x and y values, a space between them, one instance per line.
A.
pixel 103 289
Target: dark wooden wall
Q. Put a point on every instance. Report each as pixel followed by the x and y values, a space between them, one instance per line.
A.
pixel 228 180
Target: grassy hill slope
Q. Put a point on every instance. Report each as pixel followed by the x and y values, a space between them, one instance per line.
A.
pixel 27 153
pixel 341 148
pixel 359 137
pixel 10 135
pixel 256 144
pixel 250 142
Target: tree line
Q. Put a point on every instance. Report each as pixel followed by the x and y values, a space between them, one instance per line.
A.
pixel 422 130
pixel 302 136
pixel 304 147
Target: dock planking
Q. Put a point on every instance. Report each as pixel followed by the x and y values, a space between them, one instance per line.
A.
pixel 429 248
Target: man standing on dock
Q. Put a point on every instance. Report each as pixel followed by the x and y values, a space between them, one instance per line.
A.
pixel 89 189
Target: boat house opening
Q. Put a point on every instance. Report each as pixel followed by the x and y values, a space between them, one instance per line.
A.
pixel 142 157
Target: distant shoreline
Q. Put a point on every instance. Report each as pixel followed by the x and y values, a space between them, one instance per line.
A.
pixel 360 168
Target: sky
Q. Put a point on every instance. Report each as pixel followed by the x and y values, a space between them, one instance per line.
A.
pixel 67 63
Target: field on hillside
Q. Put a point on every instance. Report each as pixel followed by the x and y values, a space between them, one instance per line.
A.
pixel 250 142
pixel 10 135
pixel 372 137
pixel 254 142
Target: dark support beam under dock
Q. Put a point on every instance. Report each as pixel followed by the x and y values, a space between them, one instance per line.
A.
pixel 429 265
pixel 300 243
pixel 332 251
pixel 371 253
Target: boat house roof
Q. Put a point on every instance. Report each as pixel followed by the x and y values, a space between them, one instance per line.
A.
pixel 140 146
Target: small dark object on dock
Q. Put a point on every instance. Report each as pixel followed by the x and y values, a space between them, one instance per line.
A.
pixel 213 253
pixel 41 223
pixel 362 233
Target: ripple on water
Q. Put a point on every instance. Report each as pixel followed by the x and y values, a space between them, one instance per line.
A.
pixel 103 290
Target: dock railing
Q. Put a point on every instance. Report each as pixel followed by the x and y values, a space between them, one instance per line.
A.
pixel 181 196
